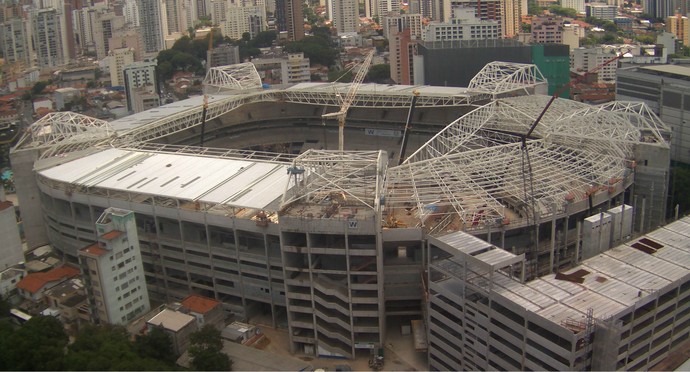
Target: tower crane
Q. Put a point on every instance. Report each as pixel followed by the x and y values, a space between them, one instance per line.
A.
pixel 349 98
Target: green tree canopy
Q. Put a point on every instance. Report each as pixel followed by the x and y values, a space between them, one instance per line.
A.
pixel 316 48
pixel 379 73
pixel 38 345
pixel 561 11
pixel 206 350
pixel 109 348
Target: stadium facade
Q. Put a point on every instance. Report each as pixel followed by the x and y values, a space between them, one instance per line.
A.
pixel 335 245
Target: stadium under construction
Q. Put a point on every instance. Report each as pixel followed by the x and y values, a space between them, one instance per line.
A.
pixel 509 241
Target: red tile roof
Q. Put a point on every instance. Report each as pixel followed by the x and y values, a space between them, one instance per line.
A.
pixel 199 304
pixel 6 204
pixel 94 250
pixel 35 281
pixel 111 235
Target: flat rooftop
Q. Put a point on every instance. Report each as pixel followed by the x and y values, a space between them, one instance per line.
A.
pixel 608 283
pixel 232 182
pixel 669 69
pixel 172 320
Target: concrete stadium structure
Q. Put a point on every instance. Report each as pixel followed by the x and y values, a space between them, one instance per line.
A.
pixel 270 219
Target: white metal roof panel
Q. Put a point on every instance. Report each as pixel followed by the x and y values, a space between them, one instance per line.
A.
pixel 234 182
pixel 652 263
pixel 558 313
pixel 553 291
pixel 602 305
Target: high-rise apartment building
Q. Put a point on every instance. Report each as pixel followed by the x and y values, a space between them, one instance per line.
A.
pixel 128 38
pixel 119 58
pixel 578 5
pixel 403 31
pixel 585 59
pixel 679 25
pixel 463 25
pixel 153 25
pixel 241 19
pixel 113 271
pixel 393 23
pixel 15 42
pixel 663 8
pixel 106 25
pixel 131 12
pixel 344 14
pixel 140 75
pixel 547 29
pixel 293 20
pixel 47 32
pixel 512 17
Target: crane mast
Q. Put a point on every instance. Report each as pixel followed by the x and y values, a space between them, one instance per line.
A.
pixel 349 98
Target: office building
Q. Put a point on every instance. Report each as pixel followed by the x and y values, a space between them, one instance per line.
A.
pixel 394 23
pixel 113 271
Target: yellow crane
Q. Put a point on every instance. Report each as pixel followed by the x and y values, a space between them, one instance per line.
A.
pixel 349 98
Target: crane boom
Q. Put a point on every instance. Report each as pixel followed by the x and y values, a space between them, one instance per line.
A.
pixel 349 98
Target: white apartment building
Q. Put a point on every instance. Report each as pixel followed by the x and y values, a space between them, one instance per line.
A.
pixel 463 25
pixel 46 26
pixel 140 75
pixel 394 23
pixel 131 12
pixel 241 19
pixel 119 58
pixel 153 25
pixel 113 270
pixel 344 14
pixel 547 29
pixel 578 5
pixel 602 11
pixel 585 59
pixel 15 41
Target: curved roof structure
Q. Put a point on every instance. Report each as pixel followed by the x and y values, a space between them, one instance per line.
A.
pixel 240 77
pixel 62 132
pixel 475 172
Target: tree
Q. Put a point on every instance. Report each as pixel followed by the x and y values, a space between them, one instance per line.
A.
pixel 39 87
pixel 565 12
pixel 103 348
pixel 379 73
pixel 205 350
pixel 38 345
pixel 156 345
pixel 316 48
